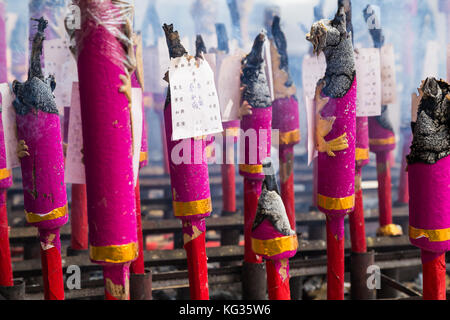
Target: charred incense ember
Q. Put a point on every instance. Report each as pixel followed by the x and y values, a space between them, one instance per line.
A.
pixel 273 237
pixel 429 180
pixel 285 116
pixel 200 48
pixel 42 163
pixel 190 190
pixel 106 93
pixel 256 122
pixel 382 143
pixel 335 139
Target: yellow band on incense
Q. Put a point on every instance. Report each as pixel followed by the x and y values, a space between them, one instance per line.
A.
pixel 251 168
pixel 290 137
pixel 114 254
pixel 54 214
pixel 336 203
pixel 381 142
pixel 5 173
pixel 143 156
pixel 362 154
pixel 432 235
pixel 273 247
pixel 183 209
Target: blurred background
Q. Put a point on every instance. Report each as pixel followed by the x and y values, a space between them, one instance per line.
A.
pixel 416 28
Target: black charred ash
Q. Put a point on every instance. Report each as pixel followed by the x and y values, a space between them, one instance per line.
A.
pixel 270 204
pixel 347 4
pixel 256 92
pixel 222 38
pixel 332 38
pixel 200 47
pixel 431 132
pixel 176 49
pixel 281 44
pixel 37 92
pixel 378 41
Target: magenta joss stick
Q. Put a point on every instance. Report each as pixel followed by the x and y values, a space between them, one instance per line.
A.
pixel 429 185
pixel 105 64
pixel 190 189
pixel 42 163
pixel 335 139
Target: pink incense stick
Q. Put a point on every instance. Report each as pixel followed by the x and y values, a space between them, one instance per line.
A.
pixel 104 51
pixel 42 163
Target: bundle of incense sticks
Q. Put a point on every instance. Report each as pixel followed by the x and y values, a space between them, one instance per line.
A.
pixel 106 60
pixel 285 116
pixel 382 143
pixel 272 236
pixel 190 191
pixel 256 124
pixel 335 139
pixel 429 181
pixel 42 163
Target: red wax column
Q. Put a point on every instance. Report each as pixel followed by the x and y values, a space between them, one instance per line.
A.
pixel 231 130
pixel 285 116
pixel 104 45
pixel 434 276
pixel 137 266
pixel 42 163
pixel 190 189
pixel 384 190
pixel 79 219
pixel 6 276
pixel 336 258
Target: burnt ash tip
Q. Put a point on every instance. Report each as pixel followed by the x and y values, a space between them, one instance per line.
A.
pixel 176 49
pixel 431 132
pixel 200 47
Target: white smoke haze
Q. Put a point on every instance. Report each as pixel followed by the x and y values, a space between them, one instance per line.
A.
pixel 417 29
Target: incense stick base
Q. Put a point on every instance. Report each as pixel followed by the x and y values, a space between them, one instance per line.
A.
pixel 359 263
pixel 254 283
pixel 76 253
pixel 16 292
pixel 141 286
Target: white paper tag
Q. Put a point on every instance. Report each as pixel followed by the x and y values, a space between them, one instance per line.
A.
pixel 228 84
pixel 311 118
pixel 60 63
pixel 74 166
pixel 9 126
pixel 268 68
pixel 313 70
pixel 137 123
pixel 368 76
pixel 388 78
pixel 194 100
pixel 431 61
